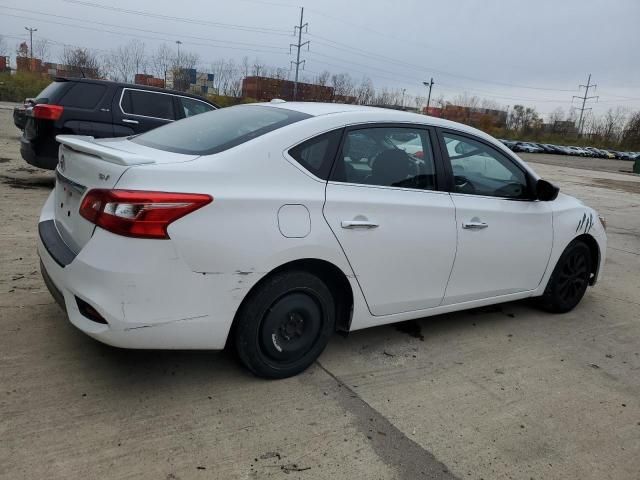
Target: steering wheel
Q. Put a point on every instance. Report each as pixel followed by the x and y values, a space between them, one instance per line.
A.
pixel 463 185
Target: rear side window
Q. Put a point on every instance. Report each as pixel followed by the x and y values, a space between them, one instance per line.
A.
pixel 317 154
pixel 52 92
pixel 147 104
pixel 84 95
pixel 219 130
pixel 193 107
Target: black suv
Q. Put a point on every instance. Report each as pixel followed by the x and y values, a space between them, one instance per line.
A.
pixel 101 109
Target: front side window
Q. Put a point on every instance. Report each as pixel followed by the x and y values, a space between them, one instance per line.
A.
pixel 387 156
pixel 482 170
pixel 218 130
pixel 148 104
pixel 193 107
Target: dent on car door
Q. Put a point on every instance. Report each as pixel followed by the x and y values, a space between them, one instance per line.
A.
pixel 504 236
pixel 396 229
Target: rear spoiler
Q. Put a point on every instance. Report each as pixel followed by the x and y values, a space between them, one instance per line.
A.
pixel 88 145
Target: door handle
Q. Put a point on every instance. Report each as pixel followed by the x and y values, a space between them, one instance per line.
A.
pixel 474 225
pixel 358 224
pixel 126 120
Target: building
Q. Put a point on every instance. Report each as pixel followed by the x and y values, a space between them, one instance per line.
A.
pixel 190 80
pixel 4 64
pixel 478 117
pixel 265 88
pixel 149 80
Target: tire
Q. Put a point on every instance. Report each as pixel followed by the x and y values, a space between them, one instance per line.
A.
pixel 569 280
pixel 285 324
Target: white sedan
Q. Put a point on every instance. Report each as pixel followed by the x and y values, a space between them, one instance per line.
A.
pixel 272 226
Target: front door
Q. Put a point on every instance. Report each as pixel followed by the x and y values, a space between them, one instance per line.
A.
pixel 504 237
pixel 396 229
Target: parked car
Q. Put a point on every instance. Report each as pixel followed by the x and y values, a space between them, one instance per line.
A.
pixel 100 109
pixel 266 226
pixel 527 147
pixel 20 113
pixel 508 143
pixel 546 148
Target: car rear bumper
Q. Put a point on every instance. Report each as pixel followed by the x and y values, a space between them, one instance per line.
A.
pixel 38 157
pixel 142 294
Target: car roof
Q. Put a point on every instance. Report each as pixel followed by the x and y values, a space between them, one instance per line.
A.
pixel 133 85
pixel 374 114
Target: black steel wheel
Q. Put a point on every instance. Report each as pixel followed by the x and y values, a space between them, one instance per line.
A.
pixel 285 324
pixel 569 280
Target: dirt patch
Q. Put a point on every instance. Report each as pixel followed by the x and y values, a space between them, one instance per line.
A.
pixel 28 183
pixel 4 159
pixel 623 185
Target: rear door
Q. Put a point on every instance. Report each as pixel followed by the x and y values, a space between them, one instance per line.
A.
pixel 87 109
pixel 395 226
pixel 138 111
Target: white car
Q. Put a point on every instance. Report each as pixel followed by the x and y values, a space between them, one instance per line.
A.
pixel 272 226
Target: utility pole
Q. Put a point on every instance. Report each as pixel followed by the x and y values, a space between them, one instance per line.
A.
pixel 584 101
pixel 31 30
pixel 430 85
pixel 298 29
pixel 178 42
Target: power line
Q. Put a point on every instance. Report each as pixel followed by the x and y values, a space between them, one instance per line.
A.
pixel 584 101
pixel 299 45
pixel 147 37
pixel 247 28
pixel 84 21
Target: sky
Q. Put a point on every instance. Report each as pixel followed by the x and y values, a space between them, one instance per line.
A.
pixel 534 52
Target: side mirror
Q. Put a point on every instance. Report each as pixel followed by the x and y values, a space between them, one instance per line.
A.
pixel 546 191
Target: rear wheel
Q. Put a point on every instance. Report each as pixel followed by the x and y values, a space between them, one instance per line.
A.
pixel 569 280
pixel 285 324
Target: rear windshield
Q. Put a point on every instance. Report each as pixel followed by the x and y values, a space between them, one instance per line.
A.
pixel 219 130
pixel 52 92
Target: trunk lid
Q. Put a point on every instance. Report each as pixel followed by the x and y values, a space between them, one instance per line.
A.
pixel 85 163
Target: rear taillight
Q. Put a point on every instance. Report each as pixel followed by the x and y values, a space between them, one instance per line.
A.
pixel 47 112
pixel 141 214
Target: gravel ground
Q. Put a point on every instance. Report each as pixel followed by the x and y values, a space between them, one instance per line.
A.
pixel 498 393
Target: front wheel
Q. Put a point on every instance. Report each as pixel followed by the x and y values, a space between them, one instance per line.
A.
pixel 569 280
pixel 285 324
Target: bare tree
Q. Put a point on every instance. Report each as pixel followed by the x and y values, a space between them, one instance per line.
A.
pixel 323 78
pixel 342 85
pixel 465 100
pixel 631 133
pixel 557 115
pixel 365 92
pixel 613 124
pixel 41 49
pixel 161 61
pixel 127 60
pixel 80 62
pixel 258 68
pixel 4 47
pixel 180 66
pixel 22 50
